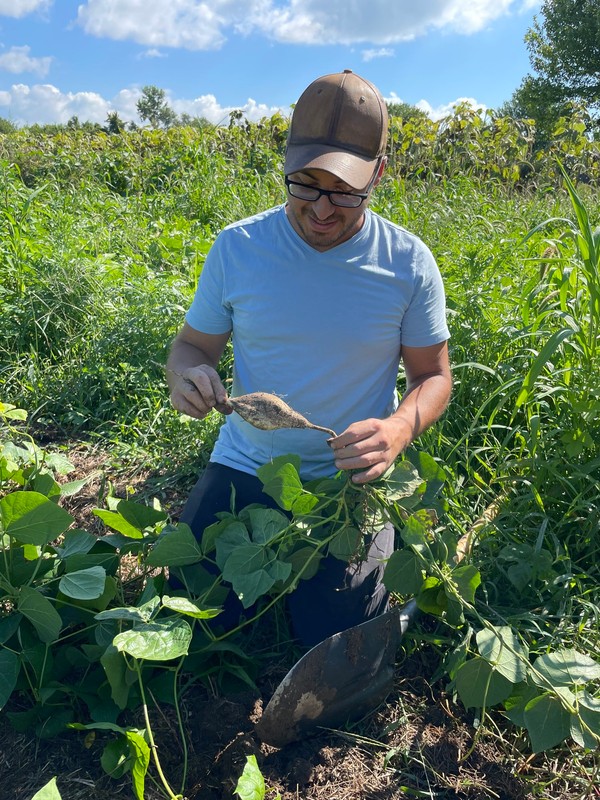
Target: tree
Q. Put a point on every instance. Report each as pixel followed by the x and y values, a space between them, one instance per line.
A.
pixel 534 100
pixel 194 122
pixel 114 123
pixel 153 107
pixel 405 110
pixel 6 126
pixel 564 51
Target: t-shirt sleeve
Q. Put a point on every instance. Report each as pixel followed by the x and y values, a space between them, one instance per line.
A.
pixel 424 321
pixel 209 311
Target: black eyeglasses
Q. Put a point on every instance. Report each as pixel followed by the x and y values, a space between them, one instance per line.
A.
pixel 303 191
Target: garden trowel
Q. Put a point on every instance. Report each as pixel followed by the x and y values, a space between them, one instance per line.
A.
pixel 340 679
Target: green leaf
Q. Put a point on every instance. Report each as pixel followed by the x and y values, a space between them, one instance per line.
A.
pixel 403 481
pixel 212 532
pixel 252 570
pixel 501 647
pixel 432 597
pixel 455 615
pixel 40 612
pixel 9 672
pixel 266 524
pixel 45 484
pixel 585 727
pixel 523 693
pixel 184 606
pixel 73 487
pixel 109 561
pixel 251 784
pixel 85 584
pixel 140 516
pixel 141 760
pixel 234 536
pixel 467 578
pixel 48 792
pixel 281 480
pixel 116 669
pixel 76 542
pixel 345 544
pixel 31 518
pixel 548 722
pixel 403 573
pixel 565 668
pixel 118 523
pixel 58 462
pixel 156 641
pixel 304 504
pixel 455 658
pixel 479 684
pixel 540 362
pixel 414 534
pixel 10 411
pixel 143 613
pixel 116 758
pixel 299 556
pixel 9 626
pixel 176 547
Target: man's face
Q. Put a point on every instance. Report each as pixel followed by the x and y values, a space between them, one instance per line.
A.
pixel 321 224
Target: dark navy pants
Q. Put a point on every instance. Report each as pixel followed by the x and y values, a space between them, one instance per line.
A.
pixel 339 596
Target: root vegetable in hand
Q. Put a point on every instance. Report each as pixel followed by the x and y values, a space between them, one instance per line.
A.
pixel 268 412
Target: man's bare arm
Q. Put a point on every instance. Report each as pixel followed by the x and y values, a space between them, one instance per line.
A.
pixel 372 445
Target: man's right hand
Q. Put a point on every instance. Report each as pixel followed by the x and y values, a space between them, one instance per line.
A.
pixel 197 390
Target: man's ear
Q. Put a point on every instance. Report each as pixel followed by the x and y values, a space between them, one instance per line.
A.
pixel 380 170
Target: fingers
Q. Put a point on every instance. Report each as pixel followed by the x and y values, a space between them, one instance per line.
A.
pixel 197 391
pixel 364 447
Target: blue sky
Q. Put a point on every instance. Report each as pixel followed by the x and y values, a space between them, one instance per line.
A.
pixel 60 58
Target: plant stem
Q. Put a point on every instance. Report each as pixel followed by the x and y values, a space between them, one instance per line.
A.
pixel 153 746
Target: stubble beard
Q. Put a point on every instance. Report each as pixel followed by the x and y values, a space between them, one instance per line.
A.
pixel 324 241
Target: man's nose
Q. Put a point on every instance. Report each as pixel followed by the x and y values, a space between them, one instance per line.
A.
pixel 323 207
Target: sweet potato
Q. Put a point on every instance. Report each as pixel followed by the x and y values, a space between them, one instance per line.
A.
pixel 268 412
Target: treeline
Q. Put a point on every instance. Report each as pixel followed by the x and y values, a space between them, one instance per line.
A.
pixel 467 142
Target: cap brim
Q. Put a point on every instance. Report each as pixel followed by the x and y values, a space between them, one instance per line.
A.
pixel 354 170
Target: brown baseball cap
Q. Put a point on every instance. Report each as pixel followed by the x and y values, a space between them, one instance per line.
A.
pixel 339 124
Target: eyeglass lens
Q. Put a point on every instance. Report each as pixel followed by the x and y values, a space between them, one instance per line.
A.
pixel 312 193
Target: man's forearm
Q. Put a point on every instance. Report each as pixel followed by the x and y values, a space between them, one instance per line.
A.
pixel 423 404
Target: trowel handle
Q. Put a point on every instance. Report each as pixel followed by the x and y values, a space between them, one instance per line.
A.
pixel 407 615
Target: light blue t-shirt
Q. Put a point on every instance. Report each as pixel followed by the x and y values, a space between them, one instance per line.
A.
pixel 322 330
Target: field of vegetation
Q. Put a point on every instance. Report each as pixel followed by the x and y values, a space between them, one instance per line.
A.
pixel 120 690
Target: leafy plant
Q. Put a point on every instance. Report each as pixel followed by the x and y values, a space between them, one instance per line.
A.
pixel 48 792
pixel 251 784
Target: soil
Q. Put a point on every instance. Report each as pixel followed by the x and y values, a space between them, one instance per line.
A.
pixel 419 743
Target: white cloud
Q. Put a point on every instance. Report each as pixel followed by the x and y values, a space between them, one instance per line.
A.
pixel 44 104
pixel 207 106
pixel 446 110
pixel 168 23
pixel 203 25
pixel 153 52
pixel 381 52
pixel 17 60
pixel 19 8
pixel 439 112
